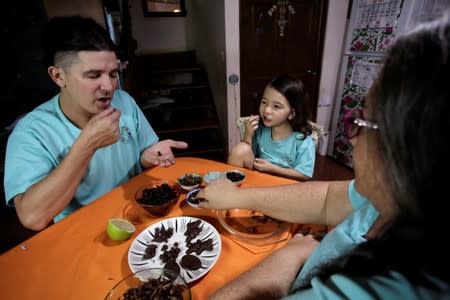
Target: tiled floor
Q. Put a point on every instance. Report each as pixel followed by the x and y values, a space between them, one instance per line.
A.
pixel 13 233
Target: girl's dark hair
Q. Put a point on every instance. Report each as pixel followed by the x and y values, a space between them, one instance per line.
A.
pixel 292 88
pixel 411 101
pixel 74 34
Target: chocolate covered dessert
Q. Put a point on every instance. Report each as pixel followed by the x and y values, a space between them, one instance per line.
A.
pixel 157 195
pixel 191 262
pixel 193 230
pixel 184 254
pixel 156 289
pixel 150 251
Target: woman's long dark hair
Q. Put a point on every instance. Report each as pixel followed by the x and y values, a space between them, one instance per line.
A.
pixel 411 100
pixel 292 88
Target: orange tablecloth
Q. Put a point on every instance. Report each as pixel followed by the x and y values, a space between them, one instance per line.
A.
pixel 74 258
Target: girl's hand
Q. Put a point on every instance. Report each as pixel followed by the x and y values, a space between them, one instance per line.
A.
pixel 251 125
pixel 263 165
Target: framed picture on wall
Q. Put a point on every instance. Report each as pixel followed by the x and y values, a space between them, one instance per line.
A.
pixel 164 8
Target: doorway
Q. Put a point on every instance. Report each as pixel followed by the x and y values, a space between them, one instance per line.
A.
pixel 280 37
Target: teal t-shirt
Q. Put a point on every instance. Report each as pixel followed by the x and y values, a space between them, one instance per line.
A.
pixel 391 286
pixel 43 137
pixel 343 238
pixel 292 152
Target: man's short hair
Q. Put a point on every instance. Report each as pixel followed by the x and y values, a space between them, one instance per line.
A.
pixel 66 36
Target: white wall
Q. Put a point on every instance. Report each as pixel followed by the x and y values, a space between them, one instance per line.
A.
pixel 158 34
pixel 331 62
pixel 233 67
pixel 213 32
pixel 87 8
pixel 208 36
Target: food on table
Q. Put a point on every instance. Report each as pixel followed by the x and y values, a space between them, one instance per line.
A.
pixel 172 265
pixel 119 229
pixel 235 176
pixel 157 195
pixel 169 253
pixel 162 234
pixel 192 231
pixel 190 180
pixel 199 246
pixel 191 262
pixel 192 199
pixel 256 224
pixel 150 251
pixel 160 288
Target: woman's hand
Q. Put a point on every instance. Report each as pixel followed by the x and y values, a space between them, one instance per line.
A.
pixel 219 194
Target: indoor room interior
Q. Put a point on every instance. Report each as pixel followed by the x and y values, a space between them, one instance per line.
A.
pixel 194 71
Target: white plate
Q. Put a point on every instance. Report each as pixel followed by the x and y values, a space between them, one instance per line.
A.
pixel 179 225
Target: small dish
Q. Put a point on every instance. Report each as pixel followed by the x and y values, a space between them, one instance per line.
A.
pixel 190 181
pixel 252 227
pixel 165 282
pixel 235 176
pixel 191 200
pixel 212 176
pixel 157 198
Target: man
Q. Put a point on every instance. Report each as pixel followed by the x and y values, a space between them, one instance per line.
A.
pixel 86 140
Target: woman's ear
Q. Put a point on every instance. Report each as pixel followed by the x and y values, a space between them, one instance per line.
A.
pixel 57 75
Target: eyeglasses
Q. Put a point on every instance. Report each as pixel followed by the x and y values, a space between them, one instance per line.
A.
pixel 354 120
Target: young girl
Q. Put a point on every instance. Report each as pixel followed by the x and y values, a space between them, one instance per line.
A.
pixel 278 140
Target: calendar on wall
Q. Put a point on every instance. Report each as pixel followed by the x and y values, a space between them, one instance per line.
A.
pixel 372 27
pixel 377 13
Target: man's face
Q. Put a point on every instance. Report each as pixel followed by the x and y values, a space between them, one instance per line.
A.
pixel 89 83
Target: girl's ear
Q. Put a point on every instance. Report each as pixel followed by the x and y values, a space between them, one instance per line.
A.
pixel 291 115
pixel 57 75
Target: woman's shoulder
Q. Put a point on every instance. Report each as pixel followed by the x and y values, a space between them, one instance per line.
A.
pixel 392 285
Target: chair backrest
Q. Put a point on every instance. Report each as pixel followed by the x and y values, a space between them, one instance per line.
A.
pixel 316 135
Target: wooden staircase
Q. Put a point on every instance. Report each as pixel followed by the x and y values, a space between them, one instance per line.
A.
pixel 174 94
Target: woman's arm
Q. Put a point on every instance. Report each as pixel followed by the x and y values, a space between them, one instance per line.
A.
pixel 273 277
pixel 314 202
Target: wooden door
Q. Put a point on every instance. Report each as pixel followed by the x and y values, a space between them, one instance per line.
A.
pixel 267 52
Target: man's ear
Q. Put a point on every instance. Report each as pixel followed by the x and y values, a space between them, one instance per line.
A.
pixel 57 75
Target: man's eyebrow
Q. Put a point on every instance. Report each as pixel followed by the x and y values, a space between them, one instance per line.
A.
pixel 99 71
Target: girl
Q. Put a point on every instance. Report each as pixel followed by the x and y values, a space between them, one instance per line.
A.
pixel 278 140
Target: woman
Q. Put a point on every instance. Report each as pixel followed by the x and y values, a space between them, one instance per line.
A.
pixel 391 220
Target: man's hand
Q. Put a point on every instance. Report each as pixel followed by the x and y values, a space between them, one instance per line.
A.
pixel 102 130
pixel 160 154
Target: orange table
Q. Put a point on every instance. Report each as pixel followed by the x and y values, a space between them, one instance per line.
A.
pixel 74 258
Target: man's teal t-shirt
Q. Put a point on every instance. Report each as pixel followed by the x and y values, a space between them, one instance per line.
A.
pixel 43 137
